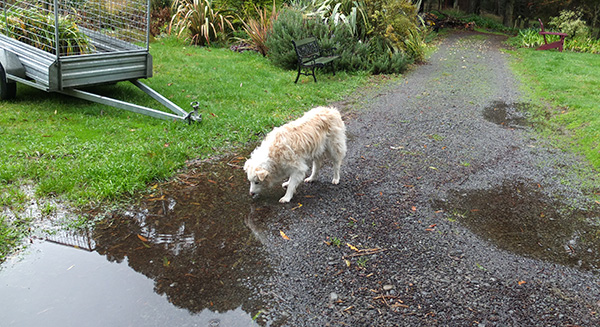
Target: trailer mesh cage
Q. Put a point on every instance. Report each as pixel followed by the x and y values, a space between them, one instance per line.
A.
pixel 65 45
pixel 77 27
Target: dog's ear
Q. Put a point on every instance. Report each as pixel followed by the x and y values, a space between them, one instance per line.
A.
pixel 261 173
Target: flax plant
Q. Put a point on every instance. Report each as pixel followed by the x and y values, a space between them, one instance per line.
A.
pixel 198 18
pixel 258 28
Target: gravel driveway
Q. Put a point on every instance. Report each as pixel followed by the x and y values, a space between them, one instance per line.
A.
pixel 450 212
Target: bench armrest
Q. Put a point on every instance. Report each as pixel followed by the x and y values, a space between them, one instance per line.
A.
pixel 553 33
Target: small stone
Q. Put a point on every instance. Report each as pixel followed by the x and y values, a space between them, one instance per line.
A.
pixel 387 287
pixel 333 296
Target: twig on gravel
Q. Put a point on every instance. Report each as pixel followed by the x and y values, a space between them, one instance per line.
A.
pixel 364 252
pixel 398 303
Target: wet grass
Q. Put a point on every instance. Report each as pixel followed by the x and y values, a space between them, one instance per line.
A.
pixel 570 82
pixel 11 233
pixel 91 153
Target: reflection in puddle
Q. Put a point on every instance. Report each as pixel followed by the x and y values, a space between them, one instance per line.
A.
pixel 55 285
pixel 518 217
pixel 194 244
pixel 507 115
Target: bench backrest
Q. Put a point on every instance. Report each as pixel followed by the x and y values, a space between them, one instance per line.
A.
pixel 307 48
pixel 541 24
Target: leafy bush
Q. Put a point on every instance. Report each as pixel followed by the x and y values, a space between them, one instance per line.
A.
pixel 374 55
pixel 159 20
pixel 291 25
pixel 160 4
pixel 198 18
pixel 571 22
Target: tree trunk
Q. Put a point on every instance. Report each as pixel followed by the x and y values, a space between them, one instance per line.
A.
pixel 509 6
pixel 475 7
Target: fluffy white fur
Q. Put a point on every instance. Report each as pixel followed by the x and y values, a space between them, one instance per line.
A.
pixel 287 151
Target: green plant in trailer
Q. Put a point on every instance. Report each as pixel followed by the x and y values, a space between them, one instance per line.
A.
pixel 37 29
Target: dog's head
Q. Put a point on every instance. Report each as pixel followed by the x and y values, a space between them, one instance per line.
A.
pixel 257 175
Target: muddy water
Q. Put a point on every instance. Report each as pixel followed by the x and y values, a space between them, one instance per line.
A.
pixel 517 216
pixel 513 115
pixel 189 255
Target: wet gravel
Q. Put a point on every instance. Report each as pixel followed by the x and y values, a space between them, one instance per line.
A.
pixel 385 248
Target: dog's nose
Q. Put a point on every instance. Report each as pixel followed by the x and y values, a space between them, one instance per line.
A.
pixel 252 194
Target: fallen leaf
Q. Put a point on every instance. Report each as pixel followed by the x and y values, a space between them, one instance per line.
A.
pixel 432 226
pixel 347 262
pixel 297 207
pixel 521 282
pixel 285 237
pixel 143 239
pixel 352 247
pixel 413 208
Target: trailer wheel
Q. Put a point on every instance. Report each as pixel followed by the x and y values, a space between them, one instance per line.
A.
pixel 8 90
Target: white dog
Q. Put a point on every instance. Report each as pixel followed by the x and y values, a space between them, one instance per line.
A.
pixel 287 151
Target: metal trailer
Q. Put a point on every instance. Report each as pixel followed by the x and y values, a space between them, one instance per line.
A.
pixel 65 45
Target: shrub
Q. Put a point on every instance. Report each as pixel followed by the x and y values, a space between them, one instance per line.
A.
pixel 291 25
pixel 570 22
pixel 203 23
pixel 159 20
pixel 160 4
pixel 374 55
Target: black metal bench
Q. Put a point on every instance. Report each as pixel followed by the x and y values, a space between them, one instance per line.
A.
pixel 310 56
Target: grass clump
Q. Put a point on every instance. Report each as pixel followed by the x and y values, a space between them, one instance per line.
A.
pixel 11 234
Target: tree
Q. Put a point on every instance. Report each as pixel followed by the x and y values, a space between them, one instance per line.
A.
pixel 507 19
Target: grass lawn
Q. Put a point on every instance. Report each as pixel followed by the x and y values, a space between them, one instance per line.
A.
pixel 571 83
pixel 91 154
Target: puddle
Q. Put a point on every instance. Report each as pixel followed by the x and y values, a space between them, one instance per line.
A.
pixel 518 217
pixel 189 255
pixel 513 115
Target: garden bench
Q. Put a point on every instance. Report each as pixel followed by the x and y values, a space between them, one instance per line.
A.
pixel 310 57
pixel 558 44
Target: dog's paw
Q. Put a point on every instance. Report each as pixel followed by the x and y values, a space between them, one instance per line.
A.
pixel 284 200
pixel 308 180
pixel 335 181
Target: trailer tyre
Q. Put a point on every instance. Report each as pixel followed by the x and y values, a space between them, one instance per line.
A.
pixel 8 90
